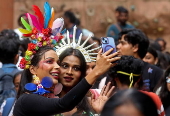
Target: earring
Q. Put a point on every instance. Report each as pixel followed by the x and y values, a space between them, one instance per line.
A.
pixel 36 79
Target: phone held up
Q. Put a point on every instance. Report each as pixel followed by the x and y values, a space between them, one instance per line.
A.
pixel 108 43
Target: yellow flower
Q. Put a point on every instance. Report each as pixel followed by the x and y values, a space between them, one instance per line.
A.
pixel 29 53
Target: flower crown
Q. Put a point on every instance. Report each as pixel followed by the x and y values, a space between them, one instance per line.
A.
pixel 88 54
pixel 43 31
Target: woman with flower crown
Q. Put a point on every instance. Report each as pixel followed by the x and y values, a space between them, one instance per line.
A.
pixel 39 81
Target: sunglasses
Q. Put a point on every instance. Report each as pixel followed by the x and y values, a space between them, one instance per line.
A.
pixel 167 80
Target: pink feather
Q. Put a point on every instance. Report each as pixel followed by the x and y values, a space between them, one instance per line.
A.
pixel 29 20
pixel 35 22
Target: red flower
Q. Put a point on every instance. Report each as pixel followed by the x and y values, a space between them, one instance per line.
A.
pixel 22 63
pixel 34 31
pixel 31 46
pixel 46 32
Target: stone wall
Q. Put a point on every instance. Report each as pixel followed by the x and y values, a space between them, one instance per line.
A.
pixel 152 16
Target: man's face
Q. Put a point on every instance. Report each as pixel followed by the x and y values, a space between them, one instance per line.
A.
pixel 122 17
pixel 125 48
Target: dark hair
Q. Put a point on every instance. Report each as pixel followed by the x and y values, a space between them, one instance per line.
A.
pixel 24 45
pixel 155 46
pixel 164 93
pixel 97 39
pixel 153 52
pixel 9 34
pixel 9 48
pixel 121 9
pixel 26 76
pixel 83 108
pixel 163 61
pixel 127 64
pixel 18 73
pixel 71 16
pixel 78 54
pixel 161 39
pixel 139 100
pixel 136 37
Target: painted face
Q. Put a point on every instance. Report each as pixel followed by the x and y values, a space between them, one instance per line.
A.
pixel 168 84
pixel 122 110
pixel 149 58
pixel 125 48
pixel 70 71
pixel 89 67
pixel 48 66
pixel 17 82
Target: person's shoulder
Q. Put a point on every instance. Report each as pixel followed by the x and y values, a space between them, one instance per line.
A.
pixel 27 97
pixel 150 94
pixel 129 25
pixel 113 25
pixel 151 68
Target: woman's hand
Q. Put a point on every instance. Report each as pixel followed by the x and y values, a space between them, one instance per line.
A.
pixel 98 103
pixel 105 61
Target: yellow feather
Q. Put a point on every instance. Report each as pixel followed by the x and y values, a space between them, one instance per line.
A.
pixel 24 31
pixel 51 19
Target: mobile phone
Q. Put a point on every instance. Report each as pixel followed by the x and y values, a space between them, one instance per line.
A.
pixel 108 43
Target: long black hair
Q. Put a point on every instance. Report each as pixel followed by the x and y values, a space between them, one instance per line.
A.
pixel 164 93
pixel 141 101
pixel 83 106
pixel 26 76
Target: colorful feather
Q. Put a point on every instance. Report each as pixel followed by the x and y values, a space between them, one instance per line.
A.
pixel 35 22
pixel 29 19
pixel 27 35
pixel 24 31
pixel 47 11
pixel 57 25
pixel 64 31
pixel 52 18
pixel 26 25
pixel 39 14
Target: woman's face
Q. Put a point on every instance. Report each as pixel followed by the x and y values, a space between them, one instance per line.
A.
pixel 168 84
pixel 70 71
pixel 127 110
pixel 89 67
pixel 149 58
pixel 17 82
pixel 48 66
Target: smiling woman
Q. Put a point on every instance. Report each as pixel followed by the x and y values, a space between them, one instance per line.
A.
pixel 38 87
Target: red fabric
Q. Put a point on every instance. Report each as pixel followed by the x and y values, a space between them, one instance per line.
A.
pixel 157 101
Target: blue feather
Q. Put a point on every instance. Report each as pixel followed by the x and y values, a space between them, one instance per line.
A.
pixel 47 15
pixel 64 31
pixel 47 82
pixel 30 86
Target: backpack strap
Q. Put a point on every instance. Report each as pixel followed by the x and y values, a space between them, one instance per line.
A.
pixel 8 106
pixel 2 73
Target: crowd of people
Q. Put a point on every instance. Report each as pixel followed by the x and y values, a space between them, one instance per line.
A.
pixel 54 67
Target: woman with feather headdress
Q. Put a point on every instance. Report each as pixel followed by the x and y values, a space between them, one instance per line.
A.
pixel 39 81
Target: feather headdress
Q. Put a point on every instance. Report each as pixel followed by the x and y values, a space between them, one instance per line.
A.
pixel 42 29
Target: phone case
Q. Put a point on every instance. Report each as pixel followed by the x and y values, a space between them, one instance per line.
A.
pixel 108 43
